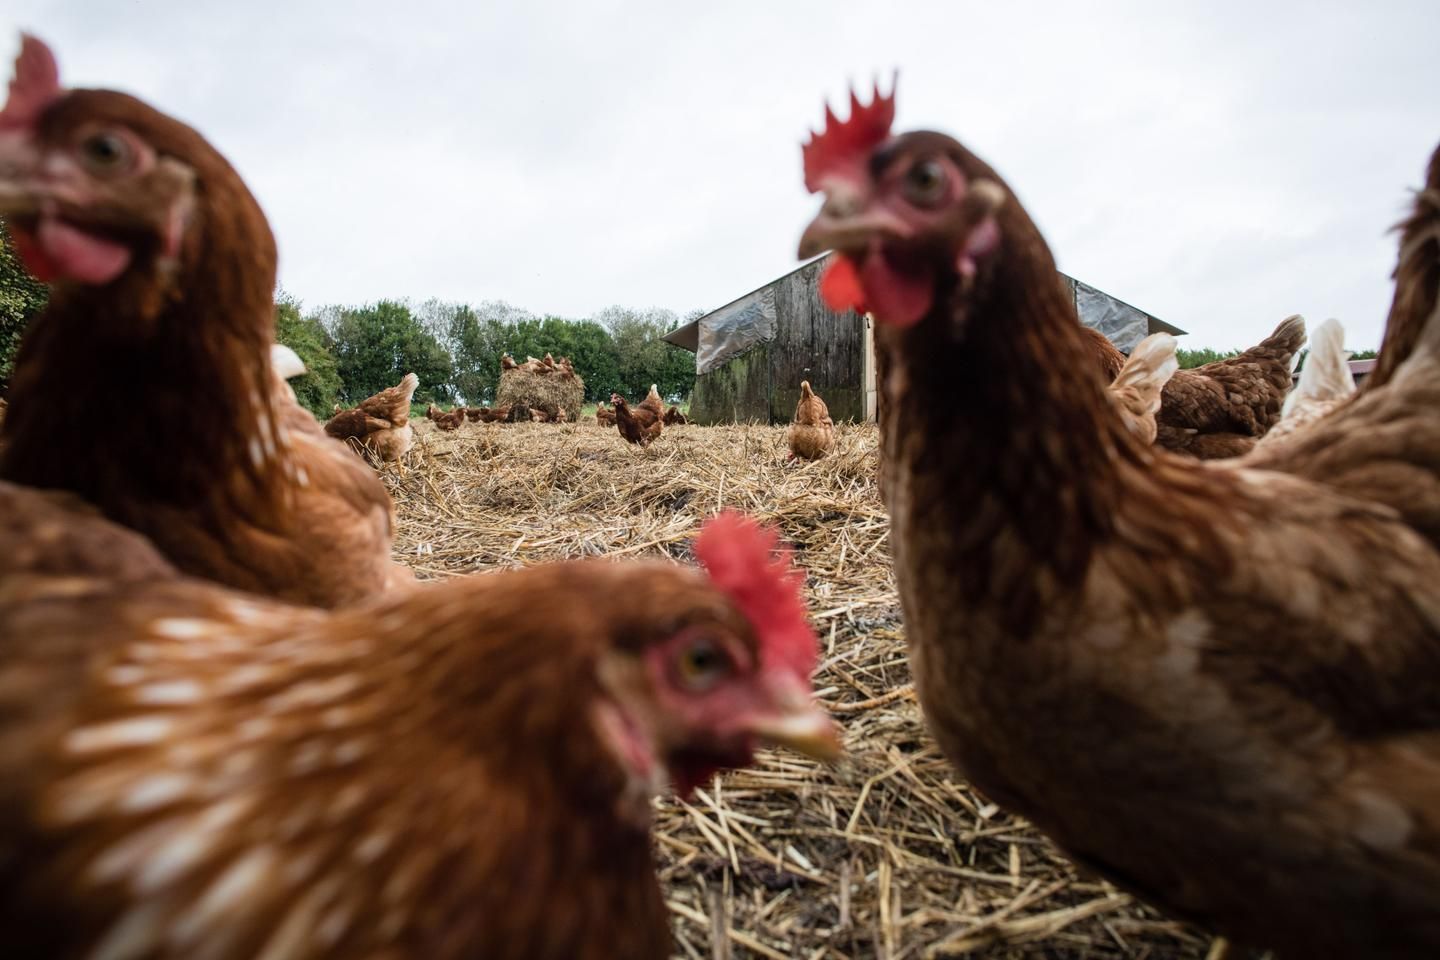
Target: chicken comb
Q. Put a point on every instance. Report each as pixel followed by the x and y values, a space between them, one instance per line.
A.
pixel 35 86
pixel 745 561
pixel 841 148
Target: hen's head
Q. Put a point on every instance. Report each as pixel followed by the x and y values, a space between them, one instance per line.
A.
pixel 903 214
pixel 729 669
pixel 96 184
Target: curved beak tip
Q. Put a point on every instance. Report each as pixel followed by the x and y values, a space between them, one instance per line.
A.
pixel 810 732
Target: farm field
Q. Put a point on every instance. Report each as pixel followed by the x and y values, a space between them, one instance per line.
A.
pixel 888 854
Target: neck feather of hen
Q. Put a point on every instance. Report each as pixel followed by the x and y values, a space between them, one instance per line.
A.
pixel 1006 465
pixel 155 388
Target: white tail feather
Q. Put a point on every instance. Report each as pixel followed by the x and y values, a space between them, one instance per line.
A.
pixel 285 362
pixel 1151 365
pixel 1326 375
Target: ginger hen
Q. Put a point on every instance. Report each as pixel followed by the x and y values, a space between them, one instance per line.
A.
pixel 163 272
pixel 380 423
pixel 638 424
pixel 812 433
pixel 189 771
pixel 1216 685
pixel 1221 409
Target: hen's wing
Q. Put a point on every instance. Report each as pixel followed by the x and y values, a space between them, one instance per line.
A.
pixel 393 403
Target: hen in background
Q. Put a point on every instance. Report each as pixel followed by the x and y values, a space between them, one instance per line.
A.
pixel 605 416
pixel 1214 684
pixel 640 425
pixel 380 423
pixel 653 403
pixel 1223 408
pixel 674 418
pixel 188 771
pixel 163 270
pixel 812 432
pixel 445 419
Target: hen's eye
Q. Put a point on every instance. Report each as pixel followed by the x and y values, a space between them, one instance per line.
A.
pixel 925 183
pixel 105 152
pixel 702 664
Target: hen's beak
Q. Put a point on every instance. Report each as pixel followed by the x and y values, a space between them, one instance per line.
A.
pixel 845 224
pixel 796 721
pixel 811 733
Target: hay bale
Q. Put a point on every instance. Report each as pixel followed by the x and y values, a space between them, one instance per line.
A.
pixel 552 391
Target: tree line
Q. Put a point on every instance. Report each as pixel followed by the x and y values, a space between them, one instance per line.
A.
pixel 352 352
pixel 455 349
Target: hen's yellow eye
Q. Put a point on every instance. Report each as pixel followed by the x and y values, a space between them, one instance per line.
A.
pixel 925 183
pixel 105 152
pixel 701 665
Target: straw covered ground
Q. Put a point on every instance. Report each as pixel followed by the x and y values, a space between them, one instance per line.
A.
pixel 888 854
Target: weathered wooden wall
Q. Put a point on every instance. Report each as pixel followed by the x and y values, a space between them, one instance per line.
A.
pixel 738 392
pixel 811 343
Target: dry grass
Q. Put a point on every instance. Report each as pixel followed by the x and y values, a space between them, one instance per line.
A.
pixel 551 392
pixel 888 854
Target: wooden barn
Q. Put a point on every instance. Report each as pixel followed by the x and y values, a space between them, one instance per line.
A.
pixel 752 353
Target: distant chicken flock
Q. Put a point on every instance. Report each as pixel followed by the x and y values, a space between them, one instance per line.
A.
pixel 1185 622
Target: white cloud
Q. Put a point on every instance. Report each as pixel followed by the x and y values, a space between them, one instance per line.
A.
pixel 1220 167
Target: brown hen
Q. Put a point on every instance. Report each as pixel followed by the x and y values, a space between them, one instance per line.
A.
pixel 188 771
pixel 381 423
pixel 163 269
pixel 812 432
pixel 1223 408
pixel 637 425
pixel 1216 685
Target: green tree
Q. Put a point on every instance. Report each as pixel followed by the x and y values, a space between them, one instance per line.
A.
pixel 1198 358
pixel 644 357
pixel 319 388
pixel 22 297
pixel 376 345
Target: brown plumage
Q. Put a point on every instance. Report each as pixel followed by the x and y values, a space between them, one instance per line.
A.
pixel 638 425
pixel 1214 684
pixel 380 423
pixel 674 418
pixel 488 414
pixel 1417 277
pixel 604 415
pixel 187 770
pixel 653 403
pixel 812 432
pixel 212 460
pixel 445 420
pixel 507 362
pixel 1222 408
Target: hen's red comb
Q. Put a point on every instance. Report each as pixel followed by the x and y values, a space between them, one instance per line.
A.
pixel 35 86
pixel 741 558
pixel 841 148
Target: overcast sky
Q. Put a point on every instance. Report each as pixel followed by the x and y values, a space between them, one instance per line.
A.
pixel 1219 168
